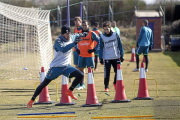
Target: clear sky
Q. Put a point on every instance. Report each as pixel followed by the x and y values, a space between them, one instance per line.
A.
pixel 149 1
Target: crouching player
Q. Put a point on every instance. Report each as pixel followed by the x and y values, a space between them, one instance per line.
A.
pixel 60 65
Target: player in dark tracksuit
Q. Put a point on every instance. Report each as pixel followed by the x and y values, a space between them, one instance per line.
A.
pixel 111 53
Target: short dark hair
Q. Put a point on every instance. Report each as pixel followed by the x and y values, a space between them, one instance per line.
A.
pixel 145 22
pixel 78 18
pixel 84 21
pixel 114 22
pixel 107 24
pixel 95 24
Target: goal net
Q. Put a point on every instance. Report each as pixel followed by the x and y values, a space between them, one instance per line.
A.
pixel 25 42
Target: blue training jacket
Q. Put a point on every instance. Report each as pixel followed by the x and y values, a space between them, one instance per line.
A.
pixel 145 36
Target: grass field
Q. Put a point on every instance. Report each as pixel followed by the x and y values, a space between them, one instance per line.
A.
pixel 165 68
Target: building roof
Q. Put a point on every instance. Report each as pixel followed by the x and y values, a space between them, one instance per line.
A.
pixel 148 13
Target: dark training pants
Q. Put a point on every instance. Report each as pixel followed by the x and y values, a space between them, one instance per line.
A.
pixel 96 61
pixel 107 70
pixel 137 61
pixel 78 78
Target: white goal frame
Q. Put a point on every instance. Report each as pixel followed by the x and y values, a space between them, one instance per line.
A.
pixel 25 42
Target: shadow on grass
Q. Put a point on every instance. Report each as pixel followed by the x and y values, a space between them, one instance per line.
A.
pixel 22 90
pixel 14 89
pixel 174 55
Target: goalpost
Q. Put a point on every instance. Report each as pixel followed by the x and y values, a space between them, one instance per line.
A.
pixel 25 42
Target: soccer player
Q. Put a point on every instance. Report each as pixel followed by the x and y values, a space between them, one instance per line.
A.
pixel 111 53
pixel 95 29
pixel 144 44
pixel 78 29
pixel 116 29
pixel 60 65
pixel 86 49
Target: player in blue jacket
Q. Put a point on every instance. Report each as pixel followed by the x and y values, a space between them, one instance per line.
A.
pixel 96 53
pixel 61 64
pixel 144 44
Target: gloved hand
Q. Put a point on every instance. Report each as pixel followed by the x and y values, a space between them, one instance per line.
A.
pixel 84 34
pixel 91 50
pixel 78 39
pixel 150 47
pixel 102 61
pixel 121 59
pixel 78 51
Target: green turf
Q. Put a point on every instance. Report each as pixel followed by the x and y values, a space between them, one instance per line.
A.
pixel 165 68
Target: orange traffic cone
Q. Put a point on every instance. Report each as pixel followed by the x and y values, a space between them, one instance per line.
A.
pixel 44 97
pixel 143 59
pixel 133 58
pixel 65 100
pixel 120 91
pixel 143 93
pixel 91 99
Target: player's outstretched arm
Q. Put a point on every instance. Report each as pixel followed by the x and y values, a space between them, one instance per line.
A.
pixel 58 46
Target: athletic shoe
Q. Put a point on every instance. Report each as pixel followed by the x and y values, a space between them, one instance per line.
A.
pixel 80 88
pixel 114 86
pixel 77 86
pixel 69 93
pixel 83 85
pixel 135 70
pixel 95 69
pixel 146 70
pixel 30 103
pixel 107 89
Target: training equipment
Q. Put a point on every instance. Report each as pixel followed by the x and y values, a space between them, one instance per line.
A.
pixel 25 42
pixel 48 113
pixel 147 79
pixel 107 93
pixel 139 116
pixel 45 116
pixel 91 99
pixel 114 86
pixel 120 91
pixel 44 97
pixel 65 100
pixel 51 83
pixel 143 93
pixel 133 58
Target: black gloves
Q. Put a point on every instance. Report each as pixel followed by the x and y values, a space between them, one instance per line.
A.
pixel 78 39
pixel 78 51
pixel 121 59
pixel 102 61
pixel 150 47
pixel 84 34
pixel 91 50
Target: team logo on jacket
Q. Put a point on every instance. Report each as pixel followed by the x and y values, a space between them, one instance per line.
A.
pixel 85 43
pixel 110 44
